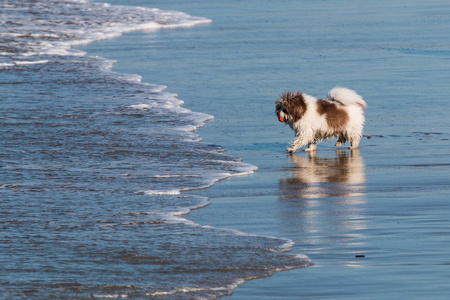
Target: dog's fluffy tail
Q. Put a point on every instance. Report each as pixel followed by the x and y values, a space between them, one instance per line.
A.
pixel 346 97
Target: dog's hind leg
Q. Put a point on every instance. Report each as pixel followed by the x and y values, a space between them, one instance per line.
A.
pixel 354 142
pixel 341 141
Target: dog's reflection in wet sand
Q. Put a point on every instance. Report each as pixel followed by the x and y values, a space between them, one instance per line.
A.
pixel 316 177
pixel 323 202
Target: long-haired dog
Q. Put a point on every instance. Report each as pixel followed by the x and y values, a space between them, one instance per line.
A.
pixel 340 115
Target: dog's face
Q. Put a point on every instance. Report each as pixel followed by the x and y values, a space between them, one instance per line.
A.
pixel 290 107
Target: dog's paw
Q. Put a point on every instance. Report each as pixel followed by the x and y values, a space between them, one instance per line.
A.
pixel 291 150
pixel 338 144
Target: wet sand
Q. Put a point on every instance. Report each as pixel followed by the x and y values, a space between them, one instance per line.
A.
pixel 375 222
pixel 374 227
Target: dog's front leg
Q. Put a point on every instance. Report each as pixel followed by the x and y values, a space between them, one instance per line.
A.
pixel 297 144
pixel 293 148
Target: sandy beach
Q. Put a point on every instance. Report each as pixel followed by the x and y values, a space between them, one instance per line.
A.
pixel 375 222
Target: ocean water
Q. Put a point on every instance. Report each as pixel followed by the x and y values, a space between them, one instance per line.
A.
pixel 96 167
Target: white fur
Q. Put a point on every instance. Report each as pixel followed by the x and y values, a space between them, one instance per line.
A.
pixel 313 127
pixel 346 96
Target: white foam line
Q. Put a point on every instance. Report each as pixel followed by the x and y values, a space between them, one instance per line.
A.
pixel 26 63
pixel 112 296
pixel 249 169
pixel 166 176
pixel 23 63
pixel 232 286
pixel 161 192
pixel 143 106
pixel 285 247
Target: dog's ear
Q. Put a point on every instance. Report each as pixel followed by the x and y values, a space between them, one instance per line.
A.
pixel 279 104
pixel 295 105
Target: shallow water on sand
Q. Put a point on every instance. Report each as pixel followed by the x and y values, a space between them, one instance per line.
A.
pixel 387 203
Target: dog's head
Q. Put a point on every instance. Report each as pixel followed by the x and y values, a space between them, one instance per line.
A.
pixel 290 107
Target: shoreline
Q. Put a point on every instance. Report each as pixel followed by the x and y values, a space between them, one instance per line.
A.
pixel 183 217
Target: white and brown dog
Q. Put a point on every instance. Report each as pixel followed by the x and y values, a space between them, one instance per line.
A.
pixel 340 115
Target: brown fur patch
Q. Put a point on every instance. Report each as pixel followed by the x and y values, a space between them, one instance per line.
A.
pixel 294 104
pixel 336 117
